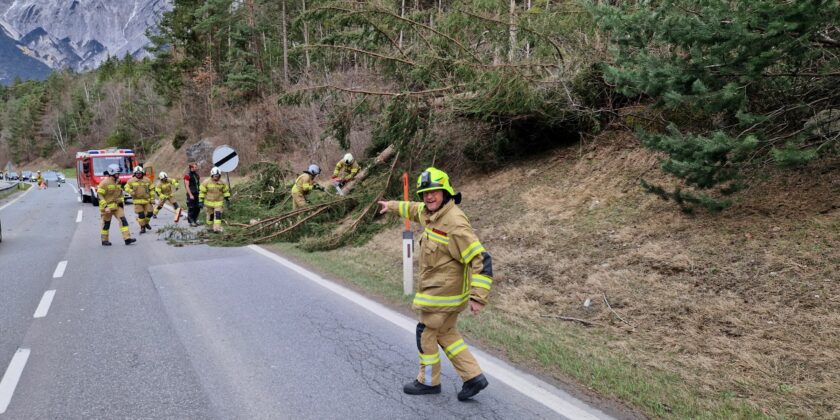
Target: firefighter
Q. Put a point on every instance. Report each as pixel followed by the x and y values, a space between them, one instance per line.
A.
pixel 345 170
pixel 304 184
pixel 142 193
pixel 214 193
pixel 165 189
pixel 112 203
pixel 456 272
pixel 42 184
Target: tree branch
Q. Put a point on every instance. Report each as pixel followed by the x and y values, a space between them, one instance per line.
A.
pixel 361 51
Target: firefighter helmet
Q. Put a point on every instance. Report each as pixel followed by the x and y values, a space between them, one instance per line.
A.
pixel 138 170
pixel 348 158
pixel 113 170
pixel 163 175
pixel 314 169
pixel 434 179
pixel 215 171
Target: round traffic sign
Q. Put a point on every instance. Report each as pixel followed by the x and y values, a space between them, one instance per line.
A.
pixel 225 158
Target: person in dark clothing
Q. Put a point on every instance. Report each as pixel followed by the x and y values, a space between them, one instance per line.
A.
pixel 192 182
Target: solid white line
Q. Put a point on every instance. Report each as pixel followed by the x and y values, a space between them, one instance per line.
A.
pixel 16 199
pixel 79 217
pixel 59 270
pixel 74 188
pixel 530 386
pixel 11 378
pixel 44 306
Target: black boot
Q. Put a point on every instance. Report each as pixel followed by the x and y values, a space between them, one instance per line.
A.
pixel 149 227
pixel 416 388
pixel 106 243
pixel 142 229
pixel 130 241
pixel 472 387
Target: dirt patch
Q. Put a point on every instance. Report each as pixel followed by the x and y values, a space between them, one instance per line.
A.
pixel 743 305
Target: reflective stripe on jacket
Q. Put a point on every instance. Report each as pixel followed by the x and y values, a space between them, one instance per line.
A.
pixel 213 193
pixel 454 266
pixel 303 184
pixel 110 194
pixel 141 190
pixel 165 188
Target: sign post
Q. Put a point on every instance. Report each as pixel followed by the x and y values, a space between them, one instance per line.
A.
pixel 408 245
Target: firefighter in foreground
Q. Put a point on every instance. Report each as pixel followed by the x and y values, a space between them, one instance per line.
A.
pixel 456 272
pixel 165 189
pixel 112 203
pixel 142 193
pixel 214 193
pixel 304 184
pixel 345 170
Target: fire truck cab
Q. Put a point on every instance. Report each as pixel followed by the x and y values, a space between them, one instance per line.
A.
pixel 91 165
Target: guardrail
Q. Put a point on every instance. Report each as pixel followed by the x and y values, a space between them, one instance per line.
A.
pixel 8 187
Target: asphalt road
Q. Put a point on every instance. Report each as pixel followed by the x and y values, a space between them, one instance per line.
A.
pixel 154 331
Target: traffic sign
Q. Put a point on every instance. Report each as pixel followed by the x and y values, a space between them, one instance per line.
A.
pixel 225 158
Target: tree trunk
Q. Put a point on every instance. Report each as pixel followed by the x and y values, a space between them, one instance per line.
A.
pixel 285 48
pixel 305 36
pixel 512 48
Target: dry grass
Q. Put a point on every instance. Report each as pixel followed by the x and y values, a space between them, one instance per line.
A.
pixel 743 305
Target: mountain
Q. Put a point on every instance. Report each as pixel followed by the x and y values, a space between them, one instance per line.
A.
pixel 81 34
pixel 15 62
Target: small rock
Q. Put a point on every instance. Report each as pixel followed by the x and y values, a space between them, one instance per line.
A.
pixel 587 303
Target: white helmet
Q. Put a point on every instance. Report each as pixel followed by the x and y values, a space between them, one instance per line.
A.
pixel 314 169
pixel 215 171
pixel 113 169
pixel 138 169
pixel 163 175
pixel 348 158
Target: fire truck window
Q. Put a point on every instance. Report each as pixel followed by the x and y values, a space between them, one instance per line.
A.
pixel 100 165
pixel 86 167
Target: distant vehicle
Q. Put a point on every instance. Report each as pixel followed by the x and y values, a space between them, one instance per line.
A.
pixel 12 176
pixel 91 165
pixel 26 175
pixel 61 177
pixel 51 177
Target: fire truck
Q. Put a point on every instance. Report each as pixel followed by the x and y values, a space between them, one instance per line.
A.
pixel 91 165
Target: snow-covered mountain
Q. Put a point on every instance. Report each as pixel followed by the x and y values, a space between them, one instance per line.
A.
pixel 81 34
pixel 16 61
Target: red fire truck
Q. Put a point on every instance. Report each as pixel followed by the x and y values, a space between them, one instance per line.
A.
pixel 90 166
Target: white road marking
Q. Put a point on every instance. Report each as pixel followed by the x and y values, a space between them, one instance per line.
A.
pixel 11 378
pixel 79 217
pixel 59 270
pixel 530 386
pixel 44 306
pixel 74 189
pixel 16 199
pixel 79 199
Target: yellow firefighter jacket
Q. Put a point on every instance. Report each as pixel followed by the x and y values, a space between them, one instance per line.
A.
pixel 213 193
pixel 164 189
pixel 141 190
pixel 303 184
pixel 345 171
pixel 110 194
pixel 454 266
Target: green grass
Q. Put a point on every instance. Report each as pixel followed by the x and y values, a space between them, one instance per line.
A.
pixel 553 347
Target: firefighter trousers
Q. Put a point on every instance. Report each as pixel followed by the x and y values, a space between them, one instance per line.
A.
pixel 144 213
pixel 298 200
pixel 439 329
pixel 214 217
pixel 119 213
pixel 163 200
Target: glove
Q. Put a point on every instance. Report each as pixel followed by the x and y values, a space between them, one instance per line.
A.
pixel 201 204
pixel 121 205
pixel 227 201
pixel 318 187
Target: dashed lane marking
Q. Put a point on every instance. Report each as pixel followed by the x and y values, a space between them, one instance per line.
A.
pixel 11 378
pixel 44 306
pixel 530 386
pixel 59 270
pixel 79 217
